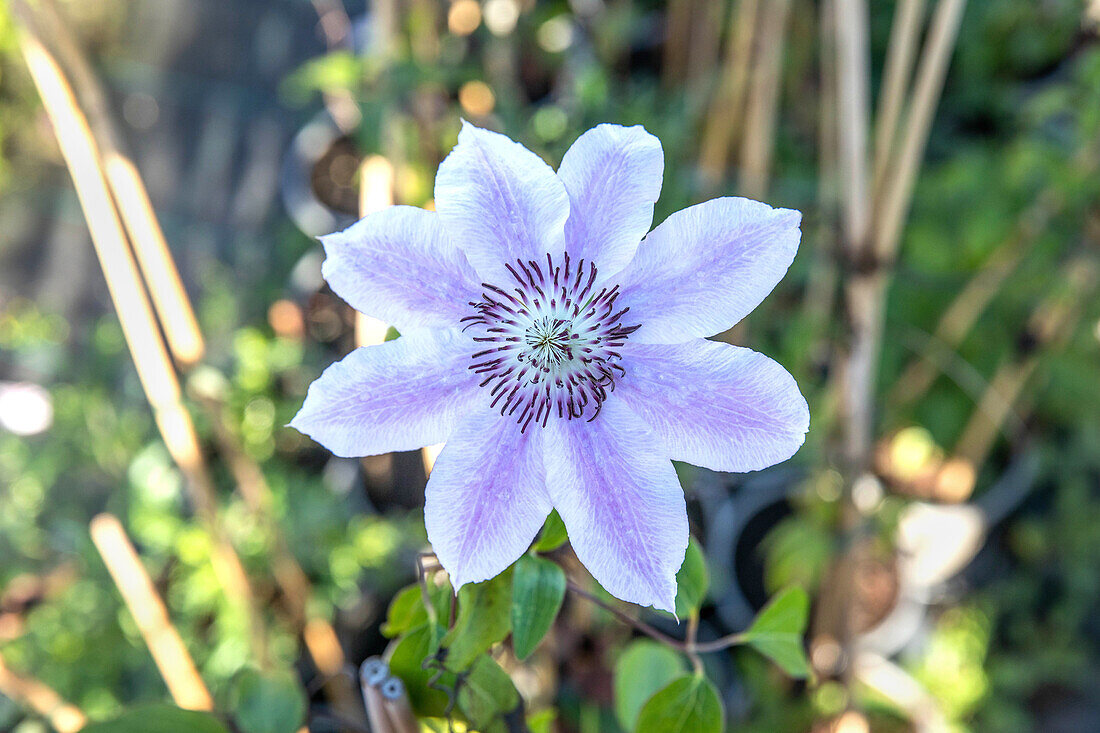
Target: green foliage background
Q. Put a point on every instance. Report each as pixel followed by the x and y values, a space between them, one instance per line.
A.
pixel 1020 109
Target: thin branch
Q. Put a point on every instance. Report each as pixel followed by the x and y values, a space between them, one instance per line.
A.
pixel 853 77
pixel 899 180
pixel 758 144
pixel 638 624
pixel 900 54
pixel 688 646
pixel 725 116
pixel 44 700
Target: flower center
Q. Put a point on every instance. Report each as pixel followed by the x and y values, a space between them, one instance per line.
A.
pixel 552 341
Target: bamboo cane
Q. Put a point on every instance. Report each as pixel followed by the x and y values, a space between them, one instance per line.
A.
pixel 41 698
pixel 154 367
pixel 138 216
pixel 169 653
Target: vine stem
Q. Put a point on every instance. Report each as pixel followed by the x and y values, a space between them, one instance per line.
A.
pixel 689 646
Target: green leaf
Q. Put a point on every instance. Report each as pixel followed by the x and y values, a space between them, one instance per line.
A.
pixel 553 534
pixel 487 693
pixel 692 581
pixel 538 588
pixel 272 702
pixel 689 704
pixel 644 668
pixel 778 629
pixel 407 611
pixel 407 662
pixel 159 719
pixel 542 721
pixel 484 618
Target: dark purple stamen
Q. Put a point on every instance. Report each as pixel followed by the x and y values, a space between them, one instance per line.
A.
pixel 553 355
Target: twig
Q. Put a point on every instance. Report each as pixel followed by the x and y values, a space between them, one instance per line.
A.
pixel 173 307
pixel 900 55
pixel 758 144
pixel 63 716
pixel 725 117
pixel 146 606
pixel 892 206
pixel 691 641
pixel 687 646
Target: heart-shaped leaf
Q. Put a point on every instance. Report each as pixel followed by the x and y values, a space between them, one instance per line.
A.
pixel 538 588
pixel 778 629
pixel 688 704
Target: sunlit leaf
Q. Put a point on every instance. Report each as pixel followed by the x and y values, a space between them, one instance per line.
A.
pixel 159 719
pixel 553 534
pixel 778 629
pixel 538 588
pixel 486 693
pixel 407 610
pixel 271 702
pixel 689 704
pixel 484 618
pixel 542 721
pixel 643 668
pixel 692 581
pixel 407 663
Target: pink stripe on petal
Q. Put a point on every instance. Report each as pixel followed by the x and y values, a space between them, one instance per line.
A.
pixel 400 395
pixel 714 405
pixel 399 265
pixel 613 175
pixel 500 202
pixel 706 267
pixel 486 498
pixel 620 499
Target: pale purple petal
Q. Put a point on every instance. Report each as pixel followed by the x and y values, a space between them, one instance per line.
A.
pixel 613 176
pixel 400 395
pixel 500 202
pixel 399 265
pixel 714 405
pixel 707 267
pixel 486 498
pixel 618 495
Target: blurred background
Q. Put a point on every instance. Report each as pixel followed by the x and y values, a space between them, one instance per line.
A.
pixel 941 318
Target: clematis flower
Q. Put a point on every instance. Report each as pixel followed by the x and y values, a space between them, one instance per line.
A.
pixel 560 352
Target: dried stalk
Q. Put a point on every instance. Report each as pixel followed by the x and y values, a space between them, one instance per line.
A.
pixel 853 79
pixel 758 143
pixel 41 698
pixel 172 305
pixel 900 177
pixel 1052 320
pixel 819 300
pixel 864 289
pixel 146 606
pixel 724 117
pixel 900 55
pixel 706 37
pixel 135 314
pixel 677 42
pixel 964 311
